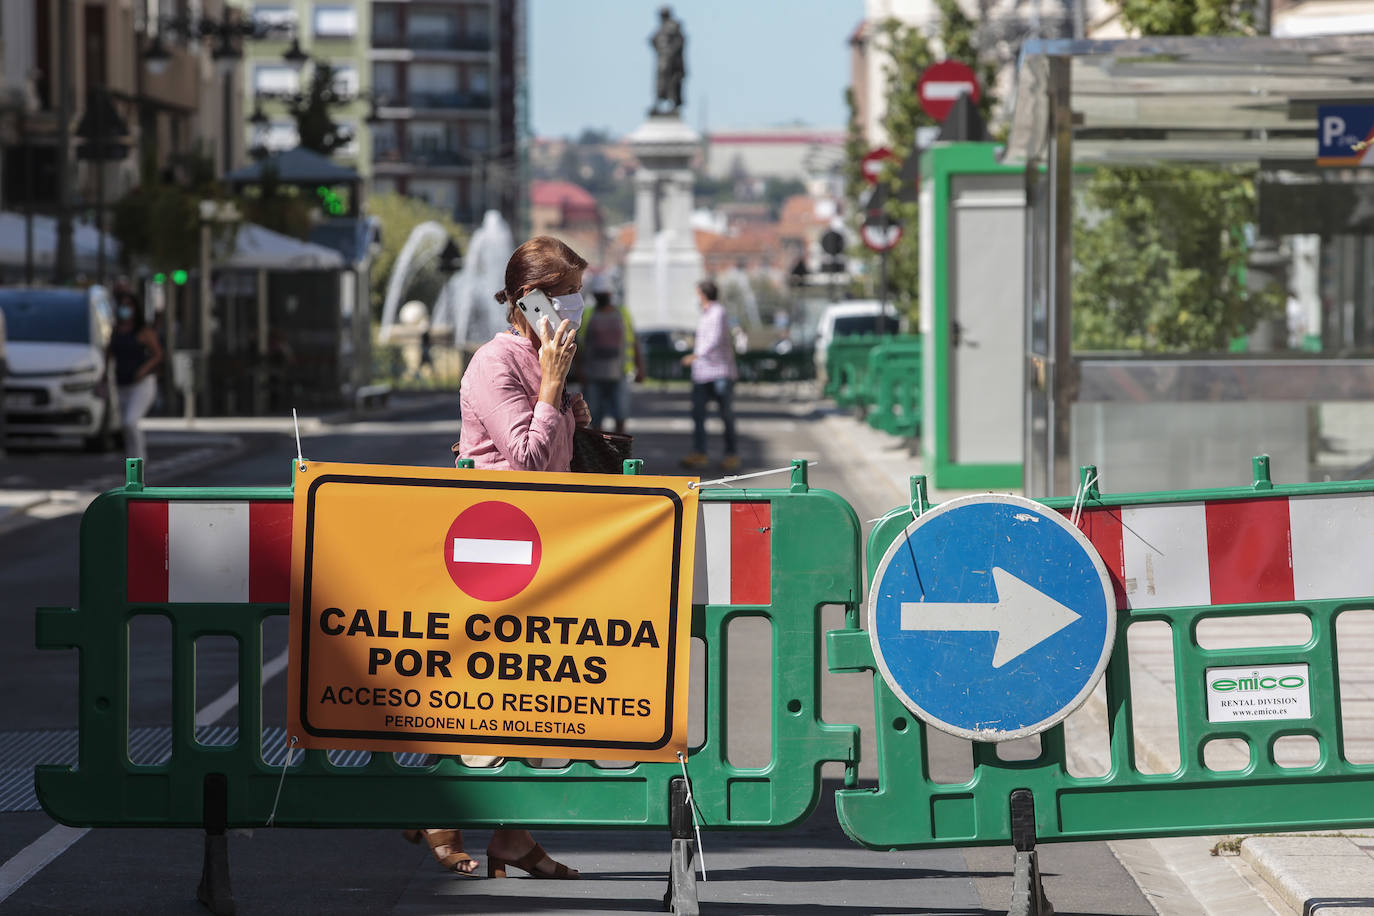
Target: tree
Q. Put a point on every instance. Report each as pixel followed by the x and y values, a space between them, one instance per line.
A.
pixel 1160 253
pixel 315 127
pixel 399 215
pixel 158 222
pixel 910 52
pixel 278 207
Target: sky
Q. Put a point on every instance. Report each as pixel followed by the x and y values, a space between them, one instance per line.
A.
pixel 750 63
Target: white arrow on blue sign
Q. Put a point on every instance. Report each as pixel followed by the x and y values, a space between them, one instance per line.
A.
pixel 991 617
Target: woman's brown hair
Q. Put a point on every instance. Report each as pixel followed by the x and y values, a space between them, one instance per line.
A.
pixel 542 263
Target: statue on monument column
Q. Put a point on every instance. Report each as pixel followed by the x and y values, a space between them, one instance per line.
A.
pixel 668 44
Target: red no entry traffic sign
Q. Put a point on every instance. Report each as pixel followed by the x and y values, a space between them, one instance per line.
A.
pixel 872 163
pixel 941 85
pixel 492 551
pixel 881 236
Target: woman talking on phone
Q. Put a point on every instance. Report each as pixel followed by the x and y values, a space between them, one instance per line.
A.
pixel 516 416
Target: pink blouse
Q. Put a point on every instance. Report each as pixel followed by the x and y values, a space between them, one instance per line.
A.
pixel 505 425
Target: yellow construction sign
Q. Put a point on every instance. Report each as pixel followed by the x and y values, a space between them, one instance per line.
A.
pixel 490 612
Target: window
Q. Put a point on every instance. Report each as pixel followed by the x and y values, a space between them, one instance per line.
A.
pixel 426 136
pixel 436 192
pixel 385 141
pixel 335 22
pixel 273 78
pixel 346 80
pixel 433 85
pixel 431 28
pixel 478 134
pixel 386 25
pixel 350 148
pixel 274 15
pixel 433 78
pixel 279 136
pixel 479 80
pixel 384 83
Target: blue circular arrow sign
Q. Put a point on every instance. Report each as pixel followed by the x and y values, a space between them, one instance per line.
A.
pixel 991 617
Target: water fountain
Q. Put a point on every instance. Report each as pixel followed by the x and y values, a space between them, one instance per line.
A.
pixel 422 245
pixel 466 303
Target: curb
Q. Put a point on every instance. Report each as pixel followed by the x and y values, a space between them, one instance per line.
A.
pixel 1326 875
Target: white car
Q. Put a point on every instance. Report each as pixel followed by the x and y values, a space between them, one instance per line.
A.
pixel 59 382
pixel 860 316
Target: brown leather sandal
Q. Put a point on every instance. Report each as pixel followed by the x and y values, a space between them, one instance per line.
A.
pixel 447 846
pixel 530 862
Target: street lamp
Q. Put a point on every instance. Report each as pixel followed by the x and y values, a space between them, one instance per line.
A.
pixel 294 56
pixel 227 34
pixel 157 57
pixel 451 258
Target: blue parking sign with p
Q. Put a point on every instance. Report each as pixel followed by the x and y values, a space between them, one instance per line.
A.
pixel 1345 135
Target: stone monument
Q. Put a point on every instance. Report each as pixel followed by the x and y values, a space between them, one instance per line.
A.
pixel 663 267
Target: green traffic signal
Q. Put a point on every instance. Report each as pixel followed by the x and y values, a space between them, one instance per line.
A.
pixel 179 277
pixel 159 278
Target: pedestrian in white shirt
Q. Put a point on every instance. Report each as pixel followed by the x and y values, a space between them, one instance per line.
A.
pixel 713 378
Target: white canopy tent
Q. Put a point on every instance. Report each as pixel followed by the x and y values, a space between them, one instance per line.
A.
pixel 259 248
pixel 85 241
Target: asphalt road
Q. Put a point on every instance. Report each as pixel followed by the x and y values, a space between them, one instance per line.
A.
pixel 812 869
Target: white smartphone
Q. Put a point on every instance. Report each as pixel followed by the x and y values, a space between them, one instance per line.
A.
pixel 536 305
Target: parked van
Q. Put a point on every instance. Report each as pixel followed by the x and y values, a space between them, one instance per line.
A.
pixel 858 316
pixel 59 383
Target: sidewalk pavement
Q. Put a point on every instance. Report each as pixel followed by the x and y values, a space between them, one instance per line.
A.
pixel 179 445
pixel 1324 874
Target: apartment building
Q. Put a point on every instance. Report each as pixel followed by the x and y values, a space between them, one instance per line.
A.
pixel 449 80
pixel 164 109
pixel 281 64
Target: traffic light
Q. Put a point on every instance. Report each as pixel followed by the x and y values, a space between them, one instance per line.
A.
pixel 179 277
pixel 159 278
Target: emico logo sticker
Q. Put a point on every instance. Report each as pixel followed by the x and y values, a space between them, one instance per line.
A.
pixel 1254 694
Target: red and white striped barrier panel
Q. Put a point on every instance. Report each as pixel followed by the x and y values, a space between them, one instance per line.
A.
pixel 1237 551
pixel 212 551
pixel 209 551
pixel 734 553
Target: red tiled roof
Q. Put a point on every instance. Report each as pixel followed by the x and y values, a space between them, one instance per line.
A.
pixel 559 194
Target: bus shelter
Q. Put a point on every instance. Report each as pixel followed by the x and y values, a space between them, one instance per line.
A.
pixel 1302 386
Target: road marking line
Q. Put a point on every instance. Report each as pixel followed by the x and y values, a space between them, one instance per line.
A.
pixel 36 856
pixel 215 711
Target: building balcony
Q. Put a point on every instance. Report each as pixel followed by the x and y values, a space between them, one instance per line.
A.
pixel 391 160
pixel 392 41
pixel 436 100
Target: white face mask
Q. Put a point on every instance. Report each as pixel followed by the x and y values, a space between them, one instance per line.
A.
pixel 569 307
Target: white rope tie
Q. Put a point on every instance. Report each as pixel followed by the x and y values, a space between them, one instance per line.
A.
pixel 726 480
pixel 290 751
pixel 916 506
pixel 299 457
pixel 918 500
pixel 692 803
pixel 1080 499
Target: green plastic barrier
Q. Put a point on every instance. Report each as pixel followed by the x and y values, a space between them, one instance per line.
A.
pixel 795 365
pixel 894 382
pixel 235 784
pixel 846 368
pixel 1022 801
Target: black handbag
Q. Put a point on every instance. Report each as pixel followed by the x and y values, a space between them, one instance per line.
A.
pixel 597 452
